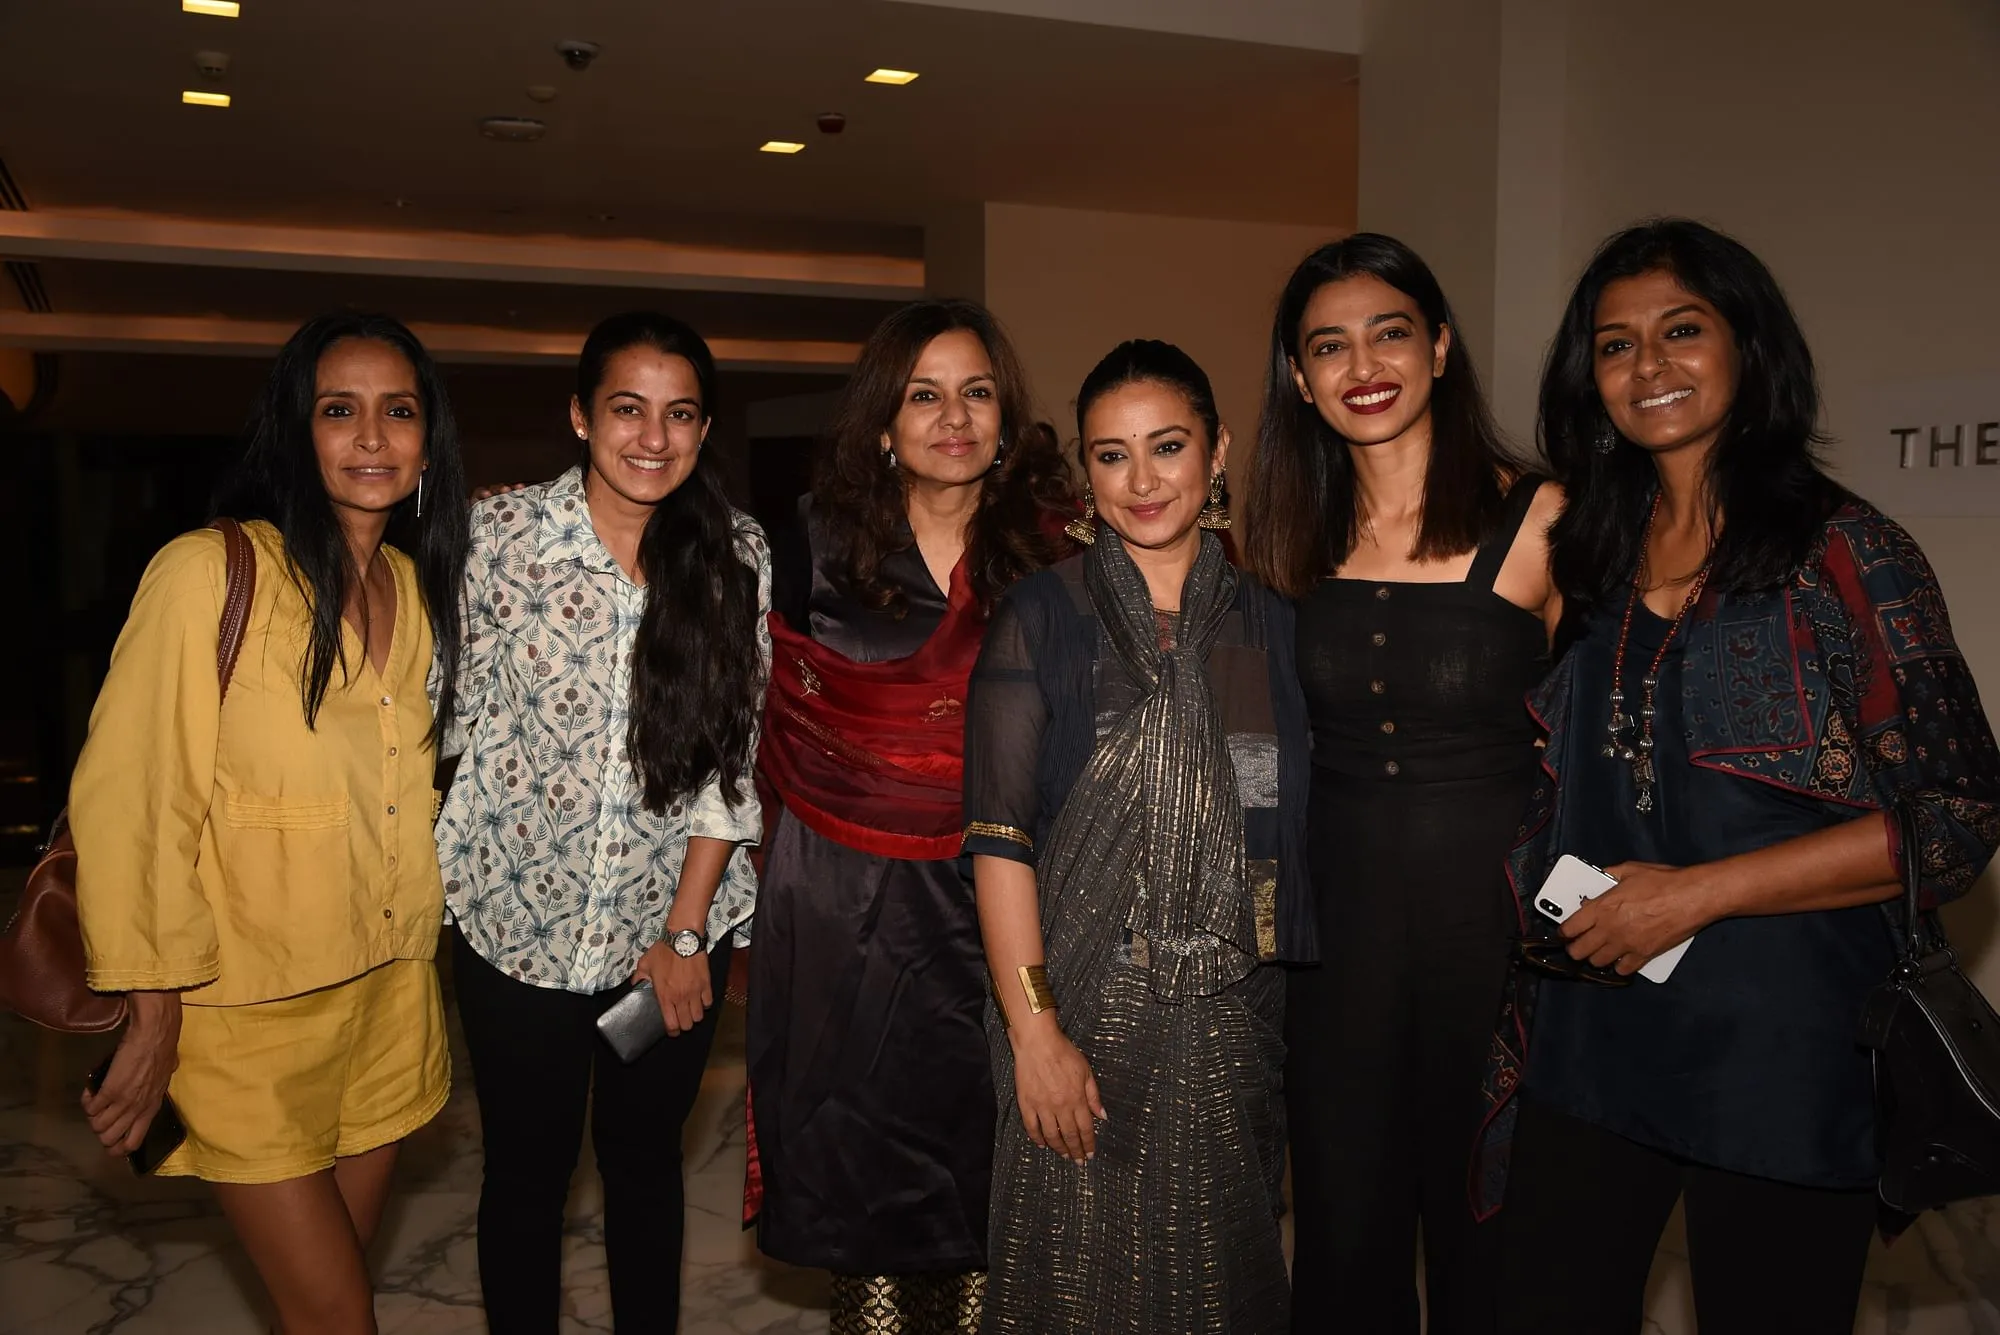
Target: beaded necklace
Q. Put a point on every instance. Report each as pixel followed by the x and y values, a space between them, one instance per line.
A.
pixel 1637 751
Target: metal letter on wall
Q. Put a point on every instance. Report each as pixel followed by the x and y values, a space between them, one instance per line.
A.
pixel 1922 448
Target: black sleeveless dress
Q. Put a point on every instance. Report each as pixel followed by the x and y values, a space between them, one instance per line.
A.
pixel 1423 758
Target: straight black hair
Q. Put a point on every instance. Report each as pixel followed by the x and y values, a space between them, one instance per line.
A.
pixel 697 673
pixel 1303 508
pixel 1763 483
pixel 1152 361
pixel 278 481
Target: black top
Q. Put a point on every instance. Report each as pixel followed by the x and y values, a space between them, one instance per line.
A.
pixel 807 590
pixel 1047 686
pixel 1745 1058
pixel 1415 683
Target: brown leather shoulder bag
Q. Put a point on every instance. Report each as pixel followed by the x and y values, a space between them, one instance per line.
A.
pixel 41 952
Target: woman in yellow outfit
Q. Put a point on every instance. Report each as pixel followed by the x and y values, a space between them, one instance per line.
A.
pixel 258 871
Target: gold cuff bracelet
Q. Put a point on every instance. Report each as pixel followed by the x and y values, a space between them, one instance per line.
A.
pixel 1035 982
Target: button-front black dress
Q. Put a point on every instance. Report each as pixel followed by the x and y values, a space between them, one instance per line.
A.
pixel 867 1045
pixel 1423 758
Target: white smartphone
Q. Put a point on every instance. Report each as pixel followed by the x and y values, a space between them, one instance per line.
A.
pixel 1572 881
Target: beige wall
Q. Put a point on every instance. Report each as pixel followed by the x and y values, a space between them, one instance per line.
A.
pixel 1861 161
pixel 1430 81
pixel 1072 285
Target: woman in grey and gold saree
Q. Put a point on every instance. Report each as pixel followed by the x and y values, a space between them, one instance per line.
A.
pixel 1136 771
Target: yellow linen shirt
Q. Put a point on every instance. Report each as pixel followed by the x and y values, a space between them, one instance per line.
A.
pixel 234 852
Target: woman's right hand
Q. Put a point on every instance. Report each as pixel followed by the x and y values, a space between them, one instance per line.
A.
pixel 1056 1091
pixel 493 489
pixel 123 1107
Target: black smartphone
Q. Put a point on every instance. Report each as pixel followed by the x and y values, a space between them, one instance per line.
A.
pixel 163 1137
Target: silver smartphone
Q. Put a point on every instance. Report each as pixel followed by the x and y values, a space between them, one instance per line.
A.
pixel 1572 881
pixel 634 1024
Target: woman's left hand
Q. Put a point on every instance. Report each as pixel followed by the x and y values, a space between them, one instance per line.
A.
pixel 681 986
pixel 1652 909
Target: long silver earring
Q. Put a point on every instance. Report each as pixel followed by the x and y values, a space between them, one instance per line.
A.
pixel 420 495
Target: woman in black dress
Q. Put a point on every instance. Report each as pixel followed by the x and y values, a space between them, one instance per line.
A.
pixel 1764 686
pixel 871 1094
pixel 1385 502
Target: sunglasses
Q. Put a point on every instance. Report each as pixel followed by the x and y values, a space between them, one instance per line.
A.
pixel 1550 957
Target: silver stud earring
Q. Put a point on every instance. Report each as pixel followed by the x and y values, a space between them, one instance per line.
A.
pixel 889 458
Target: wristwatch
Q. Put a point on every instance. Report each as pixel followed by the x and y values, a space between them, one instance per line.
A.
pixel 686 944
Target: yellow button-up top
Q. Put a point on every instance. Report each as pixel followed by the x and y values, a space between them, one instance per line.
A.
pixel 233 851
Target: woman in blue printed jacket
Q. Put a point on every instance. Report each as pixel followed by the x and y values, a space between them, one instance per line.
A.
pixel 1762 684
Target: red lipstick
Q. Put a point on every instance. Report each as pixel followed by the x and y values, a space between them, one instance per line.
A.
pixel 1383 392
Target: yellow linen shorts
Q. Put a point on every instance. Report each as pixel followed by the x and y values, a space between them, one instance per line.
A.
pixel 279 1089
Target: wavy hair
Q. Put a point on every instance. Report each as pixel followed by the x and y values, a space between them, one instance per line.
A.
pixel 1302 507
pixel 864 502
pixel 696 671
pixel 1763 479
pixel 278 481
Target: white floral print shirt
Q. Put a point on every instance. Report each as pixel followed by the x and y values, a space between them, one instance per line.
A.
pixel 553 867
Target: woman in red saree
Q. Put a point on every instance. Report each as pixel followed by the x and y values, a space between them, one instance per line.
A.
pixel 873 1102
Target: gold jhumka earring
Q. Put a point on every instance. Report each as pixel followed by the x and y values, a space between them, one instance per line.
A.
pixel 1084 527
pixel 1215 515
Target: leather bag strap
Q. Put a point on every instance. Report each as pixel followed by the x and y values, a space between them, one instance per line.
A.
pixel 1924 939
pixel 242 586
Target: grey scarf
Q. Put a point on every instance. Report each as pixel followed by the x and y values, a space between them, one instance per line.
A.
pixel 1147 854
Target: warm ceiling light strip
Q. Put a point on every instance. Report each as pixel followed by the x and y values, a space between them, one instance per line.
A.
pixel 469 344
pixel 220 9
pixel 781 146
pixel 895 77
pixel 590 261
pixel 191 98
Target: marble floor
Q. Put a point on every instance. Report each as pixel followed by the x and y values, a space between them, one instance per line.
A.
pixel 85 1248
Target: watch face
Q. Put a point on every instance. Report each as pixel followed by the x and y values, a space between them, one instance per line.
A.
pixel 686 944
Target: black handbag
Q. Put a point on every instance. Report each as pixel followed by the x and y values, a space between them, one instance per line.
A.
pixel 1936 1048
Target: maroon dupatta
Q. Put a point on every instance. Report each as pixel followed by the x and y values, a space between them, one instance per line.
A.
pixel 871 755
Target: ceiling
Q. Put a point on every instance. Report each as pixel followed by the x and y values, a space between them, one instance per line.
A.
pixel 362 116
pixel 343 109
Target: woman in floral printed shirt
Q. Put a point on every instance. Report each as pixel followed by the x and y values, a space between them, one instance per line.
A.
pixel 594 836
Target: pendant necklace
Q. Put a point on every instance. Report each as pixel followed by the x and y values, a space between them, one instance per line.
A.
pixel 1634 745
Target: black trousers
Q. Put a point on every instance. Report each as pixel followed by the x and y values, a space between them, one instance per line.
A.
pixel 1585 1209
pixel 537 1062
pixel 1386 1042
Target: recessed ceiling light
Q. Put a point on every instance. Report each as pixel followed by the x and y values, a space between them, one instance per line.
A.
pixel 191 98
pixel 896 77
pixel 220 9
pixel 513 129
pixel 780 146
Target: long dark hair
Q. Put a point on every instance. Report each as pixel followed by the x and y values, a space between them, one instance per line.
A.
pixel 1763 479
pixel 1302 507
pixel 864 501
pixel 278 481
pixel 697 671
pixel 1150 361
